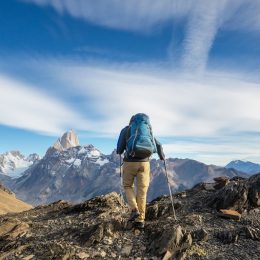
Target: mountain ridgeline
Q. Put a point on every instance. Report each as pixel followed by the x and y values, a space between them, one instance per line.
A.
pixel 75 173
pixel 9 203
pixel 244 166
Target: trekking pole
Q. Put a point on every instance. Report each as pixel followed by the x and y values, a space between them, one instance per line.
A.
pixel 170 190
pixel 121 180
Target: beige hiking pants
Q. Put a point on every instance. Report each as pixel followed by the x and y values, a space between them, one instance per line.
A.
pixel 140 171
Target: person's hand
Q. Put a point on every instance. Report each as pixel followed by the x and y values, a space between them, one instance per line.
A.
pixel 162 158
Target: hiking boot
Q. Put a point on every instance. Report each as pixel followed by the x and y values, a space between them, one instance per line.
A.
pixel 139 225
pixel 134 215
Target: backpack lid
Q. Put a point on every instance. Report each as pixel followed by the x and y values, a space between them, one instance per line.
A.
pixel 140 117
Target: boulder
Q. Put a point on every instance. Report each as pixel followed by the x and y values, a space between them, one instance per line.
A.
pixel 237 195
pixel 227 236
pixel 220 182
pixel 174 241
pixel 232 196
pixel 254 190
pixel 200 235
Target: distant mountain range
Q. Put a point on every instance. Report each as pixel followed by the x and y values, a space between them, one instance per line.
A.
pixel 244 166
pixel 73 172
pixel 14 164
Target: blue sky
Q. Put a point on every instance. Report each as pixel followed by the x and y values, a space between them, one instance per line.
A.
pixel 193 66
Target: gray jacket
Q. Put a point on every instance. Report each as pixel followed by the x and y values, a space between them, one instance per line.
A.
pixel 121 147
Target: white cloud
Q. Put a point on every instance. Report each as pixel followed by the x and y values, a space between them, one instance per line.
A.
pixel 119 14
pixel 25 107
pixel 204 19
pixel 219 152
pixel 202 28
pixel 219 106
pixel 178 105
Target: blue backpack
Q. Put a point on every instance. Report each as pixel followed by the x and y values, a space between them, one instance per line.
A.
pixel 140 142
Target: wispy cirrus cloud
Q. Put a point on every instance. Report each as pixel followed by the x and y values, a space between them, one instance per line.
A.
pixel 23 106
pixel 179 105
pixel 202 27
pixel 212 118
pixel 203 20
pixel 220 109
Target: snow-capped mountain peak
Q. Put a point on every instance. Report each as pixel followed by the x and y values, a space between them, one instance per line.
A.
pixel 13 163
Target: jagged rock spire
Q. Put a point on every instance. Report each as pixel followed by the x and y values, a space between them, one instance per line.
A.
pixel 68 140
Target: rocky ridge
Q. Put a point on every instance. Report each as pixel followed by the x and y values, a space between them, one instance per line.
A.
pixel 244 166
pixel 97 228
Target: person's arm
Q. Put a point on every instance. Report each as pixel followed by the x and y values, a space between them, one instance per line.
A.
pixel 159 149
pixel 121 143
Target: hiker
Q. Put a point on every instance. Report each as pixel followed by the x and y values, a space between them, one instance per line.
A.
pixel 138 142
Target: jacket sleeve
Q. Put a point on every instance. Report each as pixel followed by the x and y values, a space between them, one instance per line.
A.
pixel 159 149
pixel 121 143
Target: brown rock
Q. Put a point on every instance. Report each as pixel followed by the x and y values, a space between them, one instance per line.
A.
pixel 29 257
pixel 167 255
pixel 7 226
pixel 200 235
pixel 83 255
pixel 152 212
pixel 198 187
pixel 228 213
pixel 220 182
pixel 227 236
pixel 137 232
pixel 254 190
pixel 221 179
pixel 103 254
pixel 173 240
pixel 193 219
pixel 92 235
pixel 232 196
pixel 65 257
pixel 126 250
pixel 17 231
pixel 209 186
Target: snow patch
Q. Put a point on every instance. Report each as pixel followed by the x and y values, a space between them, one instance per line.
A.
pixel 82 150
pixel 101 162
pixel 77 162
pixel 71 160
pixel 94 153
